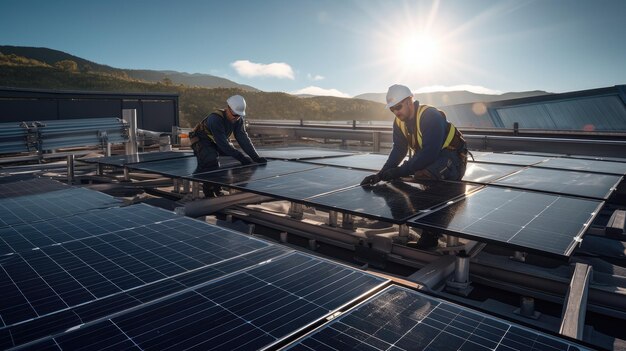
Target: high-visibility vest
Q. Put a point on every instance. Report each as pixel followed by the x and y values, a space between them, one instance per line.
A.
pixel 453 136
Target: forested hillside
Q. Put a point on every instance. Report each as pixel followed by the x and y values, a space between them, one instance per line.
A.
pixel 195 103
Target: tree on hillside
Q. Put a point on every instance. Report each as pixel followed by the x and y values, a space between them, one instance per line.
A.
pixel 67 65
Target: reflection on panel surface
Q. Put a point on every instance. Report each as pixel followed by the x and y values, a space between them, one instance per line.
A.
pixel 401 319
pixel 302 185
pixel 300 153
pixel 179 167
pixel 252 172
pixel 511 159
pixel 395 201
pixel 598 186
pixel 487 172
pixel 536 221
pixel 372 162
pixel 575 164
pixel 121 160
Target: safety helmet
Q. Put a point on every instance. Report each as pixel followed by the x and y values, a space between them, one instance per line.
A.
pixel 238 104
pixel 397 93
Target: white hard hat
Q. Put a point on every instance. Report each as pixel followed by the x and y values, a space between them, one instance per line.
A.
pixel 397 93
pixel 238 104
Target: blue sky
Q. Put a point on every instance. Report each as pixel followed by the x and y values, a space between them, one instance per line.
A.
pixel 341 47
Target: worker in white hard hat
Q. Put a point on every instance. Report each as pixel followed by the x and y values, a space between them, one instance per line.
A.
pixel 210 139
pixel 439 151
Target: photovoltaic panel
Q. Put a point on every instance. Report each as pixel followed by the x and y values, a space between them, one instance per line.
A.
pixel 27 236
pixel 402 319
pixel 522 219
pixel 306 184
pixel 252 172
pixel 371 162
pixel 487 172
pixel 30 187
pixel 53 278
pixel 584 157
pixel 597 186
pixel 179 167
pixel 248 310
pixel 300 153
pixel 574 164
pixel 60 203
pixel 122 160
pixel 395 201
pixel 59 322
pixel 510 159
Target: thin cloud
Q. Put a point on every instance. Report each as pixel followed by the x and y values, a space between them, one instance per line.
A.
pixel 473 88
pixel 313 90
pixel 249 69
pixel 316 77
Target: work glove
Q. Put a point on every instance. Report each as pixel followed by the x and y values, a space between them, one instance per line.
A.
pixel 391 174
pixel 260 160
pixel 371 179
pixel 245 161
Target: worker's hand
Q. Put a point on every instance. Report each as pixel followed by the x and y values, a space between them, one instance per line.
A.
pixel 260 160
pixel 371 179
pixel 391 174
pixel 245 161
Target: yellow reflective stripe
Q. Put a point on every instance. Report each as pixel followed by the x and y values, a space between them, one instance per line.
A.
pixel 450 136
pixel 420 111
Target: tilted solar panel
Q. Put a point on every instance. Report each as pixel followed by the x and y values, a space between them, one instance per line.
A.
pixel 179 167
pixel 510 159
pixel 300 153
pixel 252 172
pixel 574 164
pixel 394 202
pixel 371 162
pixel 32 186
pixel 60 203
pixel 597 186
pixel 522 219
pixel 248 310
pixel 27 236
pixel 486 173
pixel 402 319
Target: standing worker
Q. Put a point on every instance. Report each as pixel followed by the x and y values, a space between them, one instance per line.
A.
pixel 439 150
pixel 210 139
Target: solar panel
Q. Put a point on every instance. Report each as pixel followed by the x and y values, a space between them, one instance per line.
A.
pixel 402 319
pixel 114 304
pixel 372 162
pixel 30 208
pixel 306 184
pixel 300 153
pixel 573 164
pixel 24 237
pixel 521 219
pixel 252 172
pixel 52 278
pixel 487 172
pixel 395 201
pixel 122 160
pixel 598 186
pixel 510 159
pixel 179 167
pixel 248 310
pixel 29 187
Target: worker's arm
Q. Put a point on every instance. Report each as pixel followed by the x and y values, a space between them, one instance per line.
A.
pixel 216 125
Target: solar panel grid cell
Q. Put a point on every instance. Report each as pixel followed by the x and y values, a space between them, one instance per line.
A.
pixel 401 319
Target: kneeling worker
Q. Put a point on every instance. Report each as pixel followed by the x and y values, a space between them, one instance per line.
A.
pixel 210 139
pixel 439 150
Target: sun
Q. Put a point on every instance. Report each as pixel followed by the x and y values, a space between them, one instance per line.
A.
pixel 418 52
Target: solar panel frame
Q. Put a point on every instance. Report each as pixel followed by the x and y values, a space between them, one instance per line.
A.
pixel 122 160
pixel 401 319
pixel 516 219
